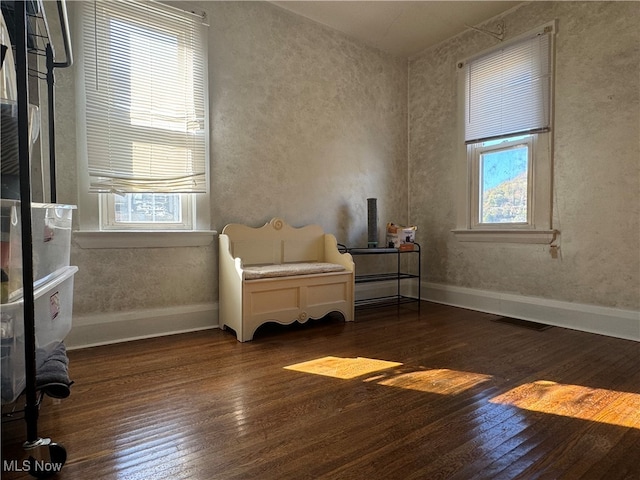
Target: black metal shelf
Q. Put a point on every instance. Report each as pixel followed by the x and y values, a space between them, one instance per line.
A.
pixel 380 277
pixel 385 301
pixel 398 275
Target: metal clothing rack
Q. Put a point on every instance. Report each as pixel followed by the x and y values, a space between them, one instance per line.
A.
pixel 31 35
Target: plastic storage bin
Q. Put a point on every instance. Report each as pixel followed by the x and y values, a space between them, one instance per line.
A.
pixel 53 311
pixel 12 366
pixel 51 232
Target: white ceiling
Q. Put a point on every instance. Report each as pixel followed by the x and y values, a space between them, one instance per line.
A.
pixel 403 28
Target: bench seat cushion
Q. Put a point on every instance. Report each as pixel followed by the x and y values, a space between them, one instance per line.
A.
pixel 289 269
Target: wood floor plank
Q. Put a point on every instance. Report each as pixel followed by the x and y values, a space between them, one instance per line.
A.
pixel 204 406
pixel 551 430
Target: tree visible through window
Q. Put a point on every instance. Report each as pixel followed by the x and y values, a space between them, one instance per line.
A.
pixel 504 183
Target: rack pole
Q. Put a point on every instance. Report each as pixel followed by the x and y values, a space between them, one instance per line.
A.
pixel 51 122
pixel 66 36
pixel 22 78
pixel 398 284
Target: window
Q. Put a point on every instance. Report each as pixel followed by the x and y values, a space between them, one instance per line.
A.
pixel 167 211
pixel 506 96
pixel 146 129
pixel 502 181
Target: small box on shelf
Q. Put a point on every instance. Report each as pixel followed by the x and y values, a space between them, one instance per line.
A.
pixel 399 237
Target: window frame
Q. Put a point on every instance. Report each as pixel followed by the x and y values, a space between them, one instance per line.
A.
pixel 539 228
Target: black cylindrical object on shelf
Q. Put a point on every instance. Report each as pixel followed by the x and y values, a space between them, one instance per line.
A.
pixel 372 223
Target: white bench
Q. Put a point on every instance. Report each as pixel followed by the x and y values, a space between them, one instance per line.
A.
pixel 278 273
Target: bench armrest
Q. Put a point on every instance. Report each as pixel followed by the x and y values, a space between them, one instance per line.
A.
pixel 333 255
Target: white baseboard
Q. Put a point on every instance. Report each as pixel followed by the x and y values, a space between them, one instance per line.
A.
pixel 101 329
pixel 115 327
pixel 613 322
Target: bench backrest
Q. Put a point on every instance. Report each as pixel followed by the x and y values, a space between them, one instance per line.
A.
pixel 275 243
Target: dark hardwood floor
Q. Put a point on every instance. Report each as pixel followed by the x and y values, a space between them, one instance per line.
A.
pixel 467 398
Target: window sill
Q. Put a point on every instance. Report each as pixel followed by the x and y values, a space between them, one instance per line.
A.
pixel 141 239
pixel 506 236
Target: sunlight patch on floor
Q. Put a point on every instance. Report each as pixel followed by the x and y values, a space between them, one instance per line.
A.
pixel 594 404
pixel 344 368
pixel 442 381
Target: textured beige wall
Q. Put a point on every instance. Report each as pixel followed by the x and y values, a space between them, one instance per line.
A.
pixel 596 162
pixel 306 124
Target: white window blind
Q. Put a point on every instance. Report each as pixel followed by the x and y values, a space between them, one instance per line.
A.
pixel 508 90
pixel 145 81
